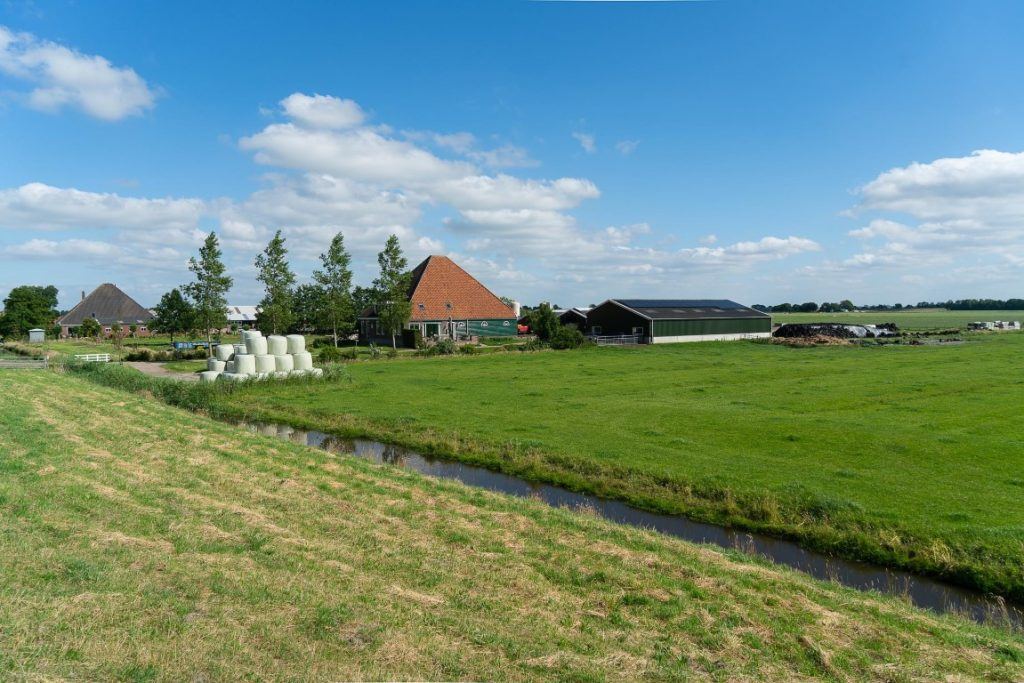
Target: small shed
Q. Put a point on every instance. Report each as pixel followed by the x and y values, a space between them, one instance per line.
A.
pixel 36 336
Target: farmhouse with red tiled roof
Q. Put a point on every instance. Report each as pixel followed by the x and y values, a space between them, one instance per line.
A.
pixel 108 306
pixel 448 303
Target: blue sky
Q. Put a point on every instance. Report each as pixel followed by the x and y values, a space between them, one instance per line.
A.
pixel 566 151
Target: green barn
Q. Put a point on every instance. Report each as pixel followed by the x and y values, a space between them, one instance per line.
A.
pixel 666 321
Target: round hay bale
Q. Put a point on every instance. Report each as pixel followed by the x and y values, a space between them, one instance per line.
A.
pixel 298 373
pixel 209 376
pixel 256 346
pixel 296 343
pixel 317 372
pixel 277 345
pixel 281 375
pixel 214 365
pixel 240 349
pixel 224 352
pixel 233 377
pixel 245 364
pixel 265 364
pixel 303 360
pixel 229 366
pixel 284 363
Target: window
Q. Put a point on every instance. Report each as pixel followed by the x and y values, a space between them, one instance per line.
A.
pixel 506 323
pixel 422 307
pixel 596 329
pixel 483 324
pixel 638 331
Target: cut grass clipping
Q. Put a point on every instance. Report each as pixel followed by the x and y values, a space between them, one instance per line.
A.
pixel 142 542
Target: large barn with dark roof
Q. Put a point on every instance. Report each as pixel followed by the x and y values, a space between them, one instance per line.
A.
pixel 660 321
pixel 108 305
pixel 448 303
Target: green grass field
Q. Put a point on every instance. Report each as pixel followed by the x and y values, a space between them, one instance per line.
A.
pixel 912 321
pixel 911 456
pixel 139 542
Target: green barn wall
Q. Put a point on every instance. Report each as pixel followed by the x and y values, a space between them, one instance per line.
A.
pixel 495 327
pixel 680 328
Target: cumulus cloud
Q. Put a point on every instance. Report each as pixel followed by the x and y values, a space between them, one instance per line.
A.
pixel 951 208
pixel 322 111
pixel 96 251
pixel 65 77
pixel 586 140
pixel 37 206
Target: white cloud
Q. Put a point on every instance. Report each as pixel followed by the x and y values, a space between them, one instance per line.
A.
pixel 322 111
pixel 627 147
pixel 767 248
pixel 586 140
pixel 37 206
pixel 96 251
pixel 65 77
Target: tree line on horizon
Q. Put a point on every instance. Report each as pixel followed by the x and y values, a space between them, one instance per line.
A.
pixel 846 305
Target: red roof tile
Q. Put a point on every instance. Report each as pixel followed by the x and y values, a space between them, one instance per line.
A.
pixel 438 282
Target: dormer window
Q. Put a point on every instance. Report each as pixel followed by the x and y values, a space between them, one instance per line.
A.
pixel 422 307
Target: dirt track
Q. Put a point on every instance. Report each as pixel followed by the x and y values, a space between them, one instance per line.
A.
pixel 158 370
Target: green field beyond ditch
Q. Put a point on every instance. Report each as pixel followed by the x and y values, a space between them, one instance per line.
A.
pixel 912 456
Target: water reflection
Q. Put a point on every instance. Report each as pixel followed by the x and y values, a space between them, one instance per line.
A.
pixel 920 590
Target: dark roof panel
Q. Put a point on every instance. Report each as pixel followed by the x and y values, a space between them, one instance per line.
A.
pixel 108 305
pixel 689 309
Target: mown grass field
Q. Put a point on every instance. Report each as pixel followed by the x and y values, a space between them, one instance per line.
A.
pixel 911 456
pixel 912 321
pixel 140 542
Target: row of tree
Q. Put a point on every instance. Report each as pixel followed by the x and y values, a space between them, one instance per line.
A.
pixel 808 307
pixel 329 303
pixel 977 305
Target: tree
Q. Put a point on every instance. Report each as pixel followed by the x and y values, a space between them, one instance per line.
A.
pixel 809 307
pixel 117 334
pixel 90 327
pixel 308 309
pixel 278 281
pixel 392 289
pixel 335 283
pixel 28 307
pixel 209 290
pixel 846 305
pixel 173 314
pixel 543 322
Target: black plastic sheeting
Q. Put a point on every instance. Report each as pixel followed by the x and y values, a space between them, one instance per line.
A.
pixel 838 330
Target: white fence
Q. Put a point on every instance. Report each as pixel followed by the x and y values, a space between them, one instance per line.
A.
pixel 617 340
pixel 93 357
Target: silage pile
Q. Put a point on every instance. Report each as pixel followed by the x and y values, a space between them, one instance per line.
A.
pixel 259 357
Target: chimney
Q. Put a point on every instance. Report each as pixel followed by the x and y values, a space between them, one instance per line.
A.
pixel 83 295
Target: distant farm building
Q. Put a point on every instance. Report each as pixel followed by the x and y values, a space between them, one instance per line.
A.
pixel 36 336
pixel 108 306
pixel 242 317
pixel 447 303
pixel 662 321
pixel 573 316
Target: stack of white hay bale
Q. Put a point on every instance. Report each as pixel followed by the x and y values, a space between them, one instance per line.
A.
pixel 262 358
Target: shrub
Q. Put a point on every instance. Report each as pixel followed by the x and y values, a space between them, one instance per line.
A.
pixel 445 347
pixel 567 337
pixel 532 345
pixel 468 350
pixel 331 354
pixel 392 353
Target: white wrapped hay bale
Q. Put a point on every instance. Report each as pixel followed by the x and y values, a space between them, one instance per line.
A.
pixel 303 360
pixel 240 349
pixel 265 364
pixel 256 346
pixel 284 363
pixel 229 366
pixel 317 372
pixel 214 365
pixel 281 375
pixel 277 345
pixel 245 364
pixel 296 343
pixel 298 373
pixel 224 352
pixel 209 376
pixel 233 377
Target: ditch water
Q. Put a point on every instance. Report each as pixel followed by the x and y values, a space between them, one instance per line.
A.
pixel 920 590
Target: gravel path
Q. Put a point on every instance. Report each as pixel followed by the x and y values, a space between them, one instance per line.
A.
pixel 158 370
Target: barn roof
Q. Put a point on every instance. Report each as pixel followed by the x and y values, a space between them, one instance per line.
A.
pixel 441 289
pixel 689 309
pixel 242 314
pixel 108 305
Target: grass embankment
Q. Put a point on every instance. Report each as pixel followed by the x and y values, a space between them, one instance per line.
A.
pixel 911 321
pixel 141 542
pixel 899 455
